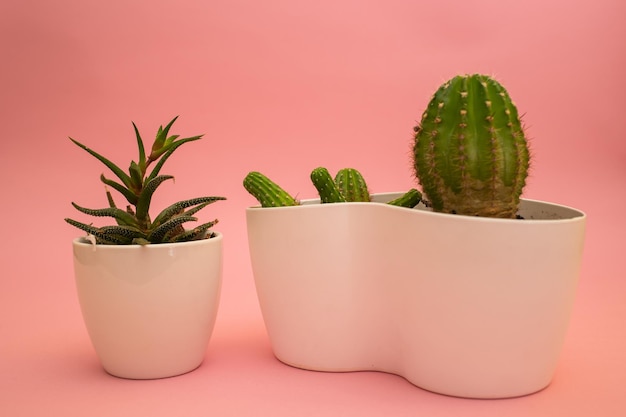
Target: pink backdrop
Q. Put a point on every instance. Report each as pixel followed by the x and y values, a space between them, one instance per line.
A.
pixel 283 87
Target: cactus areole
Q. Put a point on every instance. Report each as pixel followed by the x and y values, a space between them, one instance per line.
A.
pixel 470 152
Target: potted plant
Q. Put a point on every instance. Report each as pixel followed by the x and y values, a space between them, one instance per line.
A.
pixel 467 294
pixel 148 288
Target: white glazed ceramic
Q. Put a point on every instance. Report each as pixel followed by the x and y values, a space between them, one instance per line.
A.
pixel 463 306
pixel 149 310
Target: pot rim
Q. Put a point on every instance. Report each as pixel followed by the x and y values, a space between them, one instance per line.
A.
pixel 379 199
pixel 81 242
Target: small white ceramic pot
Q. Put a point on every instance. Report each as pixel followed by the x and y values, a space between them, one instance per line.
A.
pixel 464 306
pixel 149 310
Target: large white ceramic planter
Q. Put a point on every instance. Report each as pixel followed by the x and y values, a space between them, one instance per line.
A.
pixel 458 305
pixel 149 310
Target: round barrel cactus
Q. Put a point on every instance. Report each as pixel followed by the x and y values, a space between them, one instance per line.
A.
pixel 470 153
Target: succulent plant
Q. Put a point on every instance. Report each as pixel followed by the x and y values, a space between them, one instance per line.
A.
pixel 348 186
pixel 409 199
pixel 471 156
pixel 326 186
pixel 134 225
pixel 267 192
pixel 352 185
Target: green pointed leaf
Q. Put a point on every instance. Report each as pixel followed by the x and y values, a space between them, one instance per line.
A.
pixel 136 176
pixel 142 151
pixel 170 151
pixel 196 233
pixel 143 204
pixel 180 229
pixel 110 198
pixel 159 233
pixel 171 139
pixel 114 212
pixel 197 208
pixel 100 237
pixel 128 194
pixel 169 146
pixel 116 170
pixel 179 207
pixel 108 240
pixel 123 231
pixel 160 139
pixel 113 205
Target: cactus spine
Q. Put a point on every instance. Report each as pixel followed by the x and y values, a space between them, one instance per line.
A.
pixel 267 192
pixel 352 185
pixel 470 152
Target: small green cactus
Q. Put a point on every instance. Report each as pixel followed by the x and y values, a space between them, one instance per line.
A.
pixel 134 225
pixel 326 186
pixel 267 192
pixel 470 152
pixel 348 186
pixel 409 199
pixel 352 185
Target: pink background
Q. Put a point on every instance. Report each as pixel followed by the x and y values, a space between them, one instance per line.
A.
pixel 283 87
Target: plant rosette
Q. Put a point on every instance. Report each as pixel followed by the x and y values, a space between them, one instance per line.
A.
pixel 148 288
pixel 459 305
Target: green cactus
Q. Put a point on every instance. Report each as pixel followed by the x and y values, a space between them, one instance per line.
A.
pixel 348 186
pixel 470 152
pixel 409 199
pixel 352 185
pixel 134 225
pixel 326 186
pixel 267 192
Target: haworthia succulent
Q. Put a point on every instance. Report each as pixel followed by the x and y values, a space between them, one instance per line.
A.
pixel 133 224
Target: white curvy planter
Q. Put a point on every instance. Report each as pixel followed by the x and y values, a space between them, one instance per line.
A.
pixel 149 310
pixel 463 306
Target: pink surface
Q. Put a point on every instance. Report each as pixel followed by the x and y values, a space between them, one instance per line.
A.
pixel 283 87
